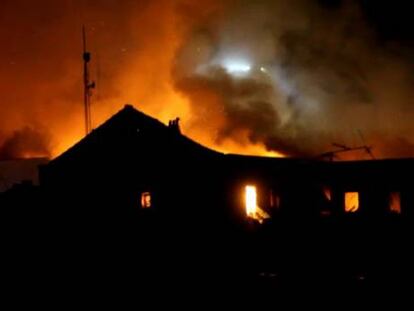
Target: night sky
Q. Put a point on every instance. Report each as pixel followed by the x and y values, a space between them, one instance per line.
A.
pixel 244 76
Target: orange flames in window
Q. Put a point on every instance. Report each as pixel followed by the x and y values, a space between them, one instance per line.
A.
pixel 251 201
pixel 395 202
pixel 351 202
pixel 146 200
pixel 253 211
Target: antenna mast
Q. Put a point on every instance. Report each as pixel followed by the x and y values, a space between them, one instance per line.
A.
pixel 343 148
pixel 87 85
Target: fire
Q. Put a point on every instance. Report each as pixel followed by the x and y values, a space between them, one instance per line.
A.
pixel 253 211
pixel 149 68
pixel 395 202
pixel 351 202
pixel 146 200
pixel 149 83
pixel 251 201
pixel 178 107
pixel 239 144
pixel 247 149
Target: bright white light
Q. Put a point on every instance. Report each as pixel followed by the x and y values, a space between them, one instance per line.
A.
pixel 251 200
pixel 263 69
pixel 237 66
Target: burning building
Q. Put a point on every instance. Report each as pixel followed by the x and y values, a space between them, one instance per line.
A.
pixel 139 197
pixel 134 164
pixel 285 77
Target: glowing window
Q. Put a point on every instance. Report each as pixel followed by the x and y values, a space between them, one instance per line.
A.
pixel 251 201
pixel 327 193
pixel 395 202
pixel 146 200
pixel 252 209
pixel 351 202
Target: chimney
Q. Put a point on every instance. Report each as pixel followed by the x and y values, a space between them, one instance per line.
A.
pixel 174 126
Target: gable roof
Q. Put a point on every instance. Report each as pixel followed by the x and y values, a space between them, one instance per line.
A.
pixel 123 127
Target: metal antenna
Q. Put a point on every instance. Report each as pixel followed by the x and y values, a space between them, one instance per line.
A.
pixel 331 155
pixel 98 77
pixel 87 85
pixel 368 149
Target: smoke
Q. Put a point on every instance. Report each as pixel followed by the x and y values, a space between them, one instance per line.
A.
pixel 24 143
pixel 318 75
pixel 291 76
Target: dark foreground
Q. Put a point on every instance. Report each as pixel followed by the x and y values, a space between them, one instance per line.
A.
pixel 48 255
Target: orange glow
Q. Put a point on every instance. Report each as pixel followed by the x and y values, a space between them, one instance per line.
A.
pixel 179 107
pixel 395 202
pixel 146 200
pixel 253 211
pixel 31 155
pixel 351 202
pixel 250 149
pixel 147 82
pixel 328 193
pixel 251 201
pixel 144 54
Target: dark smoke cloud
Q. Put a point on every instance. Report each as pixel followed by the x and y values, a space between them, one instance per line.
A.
pixel 331 77
pixel 26 142
pixel 333 68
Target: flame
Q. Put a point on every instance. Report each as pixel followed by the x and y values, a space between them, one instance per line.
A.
pixel 179 107
pixel 253 211
pixel 146 200
pixel 395 202
pixel 131 64
pixel 351 202
pixel 248 149
pixel 251 201
pixel 148 84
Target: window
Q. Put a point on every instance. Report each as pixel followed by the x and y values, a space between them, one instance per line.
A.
pixel 326 205
pixel 146 200
pixel 395 203
pixel 351 202
pixel 327 192
pixel 252 209
pixel 251 201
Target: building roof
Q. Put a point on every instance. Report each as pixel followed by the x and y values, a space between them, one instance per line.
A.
pixel 132 131
pixel 124 130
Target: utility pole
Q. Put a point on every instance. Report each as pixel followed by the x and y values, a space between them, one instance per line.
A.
pixel 87 85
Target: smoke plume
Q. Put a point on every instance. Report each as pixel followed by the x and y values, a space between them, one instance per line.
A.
pixel 25 143
pixel 243 76
pixel 318 75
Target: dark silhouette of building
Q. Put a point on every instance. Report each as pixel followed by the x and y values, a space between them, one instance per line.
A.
pixel 137 198
pixel 133 157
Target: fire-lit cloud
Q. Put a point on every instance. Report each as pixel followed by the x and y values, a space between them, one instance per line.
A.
pixel 244 76
pixel 25 143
